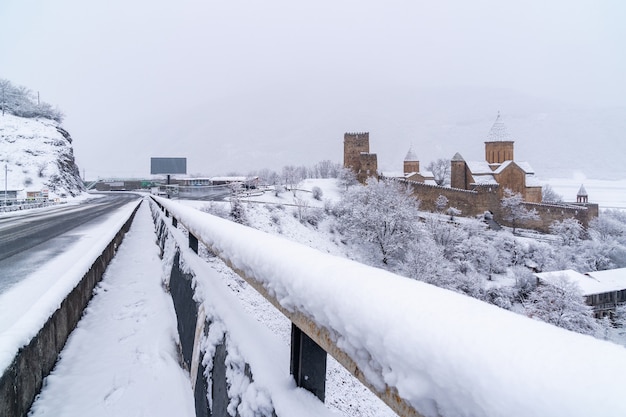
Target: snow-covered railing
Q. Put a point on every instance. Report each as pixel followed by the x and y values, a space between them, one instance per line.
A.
pixel 16 205
pixel 423 350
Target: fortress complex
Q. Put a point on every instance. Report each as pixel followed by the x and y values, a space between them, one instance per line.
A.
pixel 475 186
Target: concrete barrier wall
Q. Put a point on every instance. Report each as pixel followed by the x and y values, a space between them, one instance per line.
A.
pixel 23 379
pixel 189 320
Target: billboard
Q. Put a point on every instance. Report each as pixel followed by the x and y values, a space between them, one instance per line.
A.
pixel 168 166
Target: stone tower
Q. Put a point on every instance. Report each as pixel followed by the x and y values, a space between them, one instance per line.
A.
pixel 357 156
pixel 411 163
pixel 582 196
pixel 499 146
pixel 354 144
pixel 458 172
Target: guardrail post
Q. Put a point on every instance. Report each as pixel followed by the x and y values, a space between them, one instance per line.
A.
pixel 308 363
pixel 193 243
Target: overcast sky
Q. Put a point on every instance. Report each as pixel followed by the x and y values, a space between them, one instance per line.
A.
pixel 241 85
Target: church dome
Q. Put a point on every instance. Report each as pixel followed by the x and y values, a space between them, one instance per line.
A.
pixel 410 156
pixel 498 132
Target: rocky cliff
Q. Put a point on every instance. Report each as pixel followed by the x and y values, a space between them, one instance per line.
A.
pixel 38 156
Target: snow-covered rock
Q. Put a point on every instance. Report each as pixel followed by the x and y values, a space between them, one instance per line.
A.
pixel 39 156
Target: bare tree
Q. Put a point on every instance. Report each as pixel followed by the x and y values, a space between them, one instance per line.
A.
pixel 548 195
pixel 441 170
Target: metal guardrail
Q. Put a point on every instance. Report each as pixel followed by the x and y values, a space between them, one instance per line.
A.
pixel 309 342
pixel 543 392
pixel 16 205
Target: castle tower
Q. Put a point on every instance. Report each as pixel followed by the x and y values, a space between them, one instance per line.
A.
pixel 411 163
pixel 499 146
pixel 357 156
pixel 354 144
pixel 458 172
pixel 582 196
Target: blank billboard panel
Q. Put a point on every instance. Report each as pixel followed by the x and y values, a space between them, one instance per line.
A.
pixel 168 165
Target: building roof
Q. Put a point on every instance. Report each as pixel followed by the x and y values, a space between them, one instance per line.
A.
pixel 582 192
pixel 479 167
pixel 457 157
pixel 233 179
pixel 410 156
pixel 485 179
pixel 524 166
pixel 597 282
pixel 532 181
pixel 498 132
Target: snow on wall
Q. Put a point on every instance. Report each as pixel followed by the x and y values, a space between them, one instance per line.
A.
pixel 445 353
pixel 246 340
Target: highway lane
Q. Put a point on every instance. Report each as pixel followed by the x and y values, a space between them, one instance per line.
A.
pixel 29 239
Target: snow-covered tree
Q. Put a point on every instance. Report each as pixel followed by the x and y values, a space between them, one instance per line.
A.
pixel 569 230
pixel 548 195
pixel 19 101
pixel 237 209
pixel 610 226
pixel 441 203
pixel 346 178
pixel 317 193
pixel 452 212
pixel 326 169
pixel 383 213
pixel 292 176
pixel 446 235
pixel 515 210
pixel 425 262
pixel 441 170
pixel 560 302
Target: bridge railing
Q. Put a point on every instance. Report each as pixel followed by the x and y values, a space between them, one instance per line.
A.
pixel 16 205
pixel 422 350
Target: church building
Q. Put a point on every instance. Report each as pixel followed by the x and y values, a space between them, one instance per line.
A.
pixel 498 169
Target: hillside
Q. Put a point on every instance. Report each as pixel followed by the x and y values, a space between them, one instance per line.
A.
pixel 38 156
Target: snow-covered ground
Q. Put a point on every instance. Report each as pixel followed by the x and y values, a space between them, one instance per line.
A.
pixel 122 359
pixel 274 214
pixel 26 306
pixel 446 353
pixel 37 157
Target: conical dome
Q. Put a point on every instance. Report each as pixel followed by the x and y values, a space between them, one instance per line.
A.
pixel 582 192
pixel 410 156
pixel 498 131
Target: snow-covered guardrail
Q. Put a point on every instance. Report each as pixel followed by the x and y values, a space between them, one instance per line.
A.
pixel 16 205
pixel 423 350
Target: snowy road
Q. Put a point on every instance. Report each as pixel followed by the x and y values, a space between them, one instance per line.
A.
pixel 30 239
pixel 122 358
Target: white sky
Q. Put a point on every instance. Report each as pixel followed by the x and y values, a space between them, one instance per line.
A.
pixel 164 78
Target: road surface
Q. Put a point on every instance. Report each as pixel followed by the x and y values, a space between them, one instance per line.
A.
pixel 34 237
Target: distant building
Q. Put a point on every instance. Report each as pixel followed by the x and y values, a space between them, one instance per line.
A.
pixel 357 156
pixel 412 171
pixel 476 187
pixel 603 290
pixel 582 196
pixel 499 168
pixel 249 182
